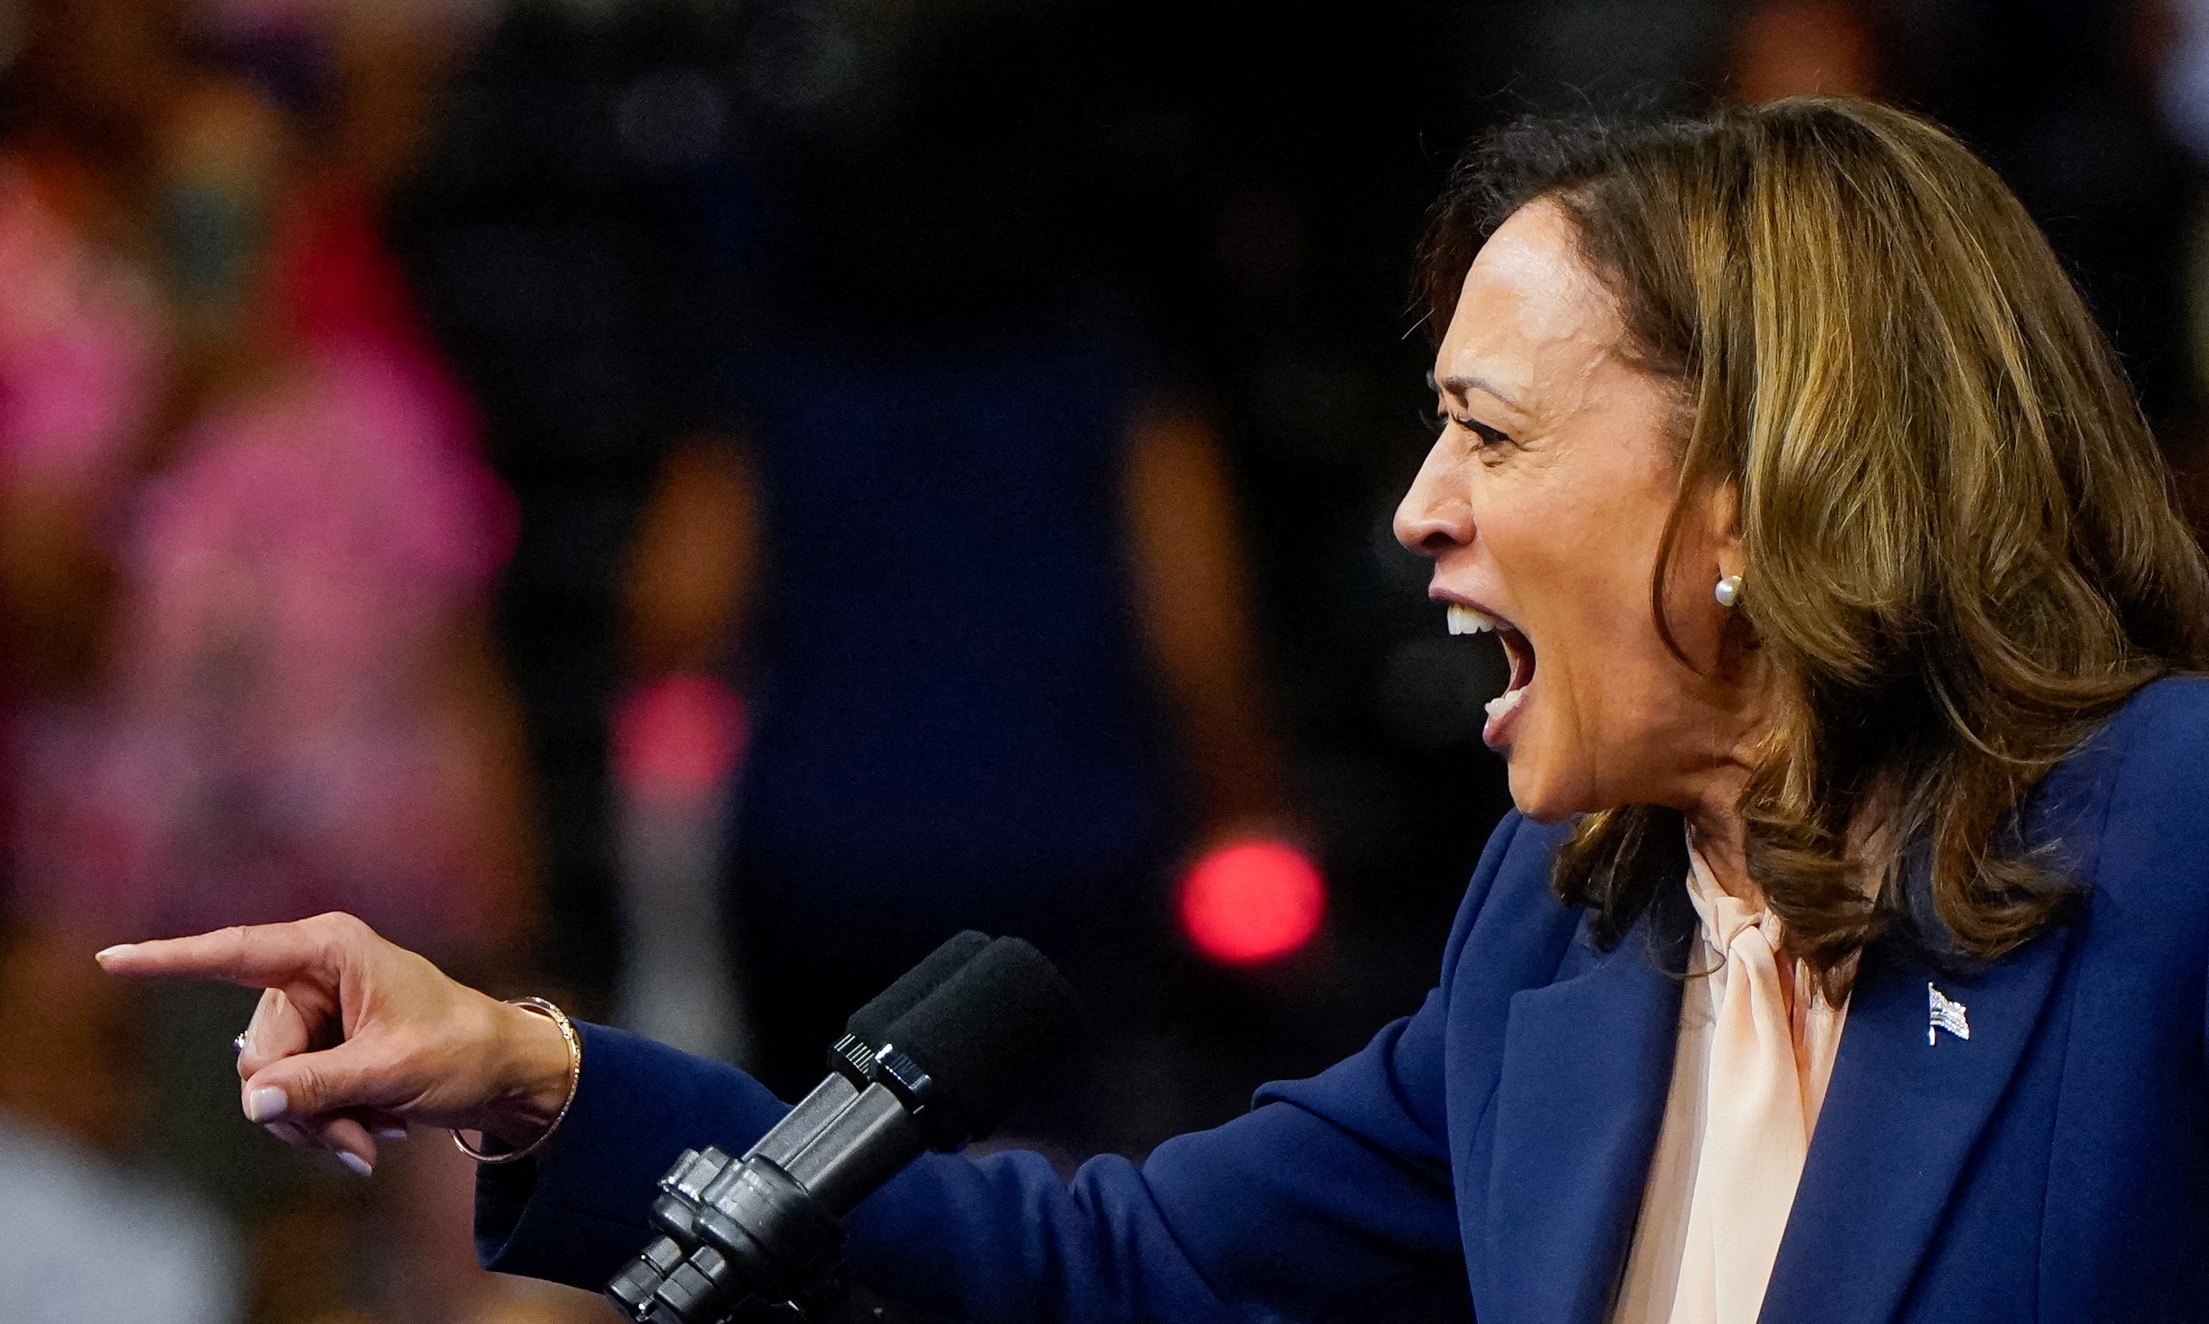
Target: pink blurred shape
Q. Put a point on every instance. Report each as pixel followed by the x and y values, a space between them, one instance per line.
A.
pixel 678 737
pixel 1250 902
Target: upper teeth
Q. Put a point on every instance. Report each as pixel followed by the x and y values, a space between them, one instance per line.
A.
pixel 1464 620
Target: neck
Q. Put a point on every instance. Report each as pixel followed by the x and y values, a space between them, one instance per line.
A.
pixel 1715 824
pixel 1721 838
pixel 1729 713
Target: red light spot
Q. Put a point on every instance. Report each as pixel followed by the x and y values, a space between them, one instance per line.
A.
pixel 678 737
pixel 1252 902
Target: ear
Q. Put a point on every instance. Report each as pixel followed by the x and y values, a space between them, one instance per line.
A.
pixel 1722 527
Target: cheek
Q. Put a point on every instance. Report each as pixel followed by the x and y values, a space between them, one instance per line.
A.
pixel 1602 717
pixel 1604 677
pixel 1618 674
pixel 1584 660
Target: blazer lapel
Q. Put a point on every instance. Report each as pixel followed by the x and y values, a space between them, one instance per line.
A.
pixel 1900 1119
pixel 1587 1063
pixel 1902 1114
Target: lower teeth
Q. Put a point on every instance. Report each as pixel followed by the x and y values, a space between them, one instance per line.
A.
pixel 1505 701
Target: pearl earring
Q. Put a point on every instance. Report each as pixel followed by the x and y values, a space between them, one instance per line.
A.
pixel 1729 590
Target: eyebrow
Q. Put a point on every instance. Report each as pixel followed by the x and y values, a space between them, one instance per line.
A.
pixel 1463 385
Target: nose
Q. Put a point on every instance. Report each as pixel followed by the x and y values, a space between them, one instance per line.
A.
pixel 1434 515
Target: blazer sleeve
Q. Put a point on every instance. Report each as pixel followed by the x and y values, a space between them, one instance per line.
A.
pixel 1330 1200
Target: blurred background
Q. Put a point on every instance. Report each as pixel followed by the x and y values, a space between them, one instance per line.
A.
pixel 680 505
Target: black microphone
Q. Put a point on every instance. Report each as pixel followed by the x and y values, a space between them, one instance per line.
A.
pixel 659 1278
pixel 932 1063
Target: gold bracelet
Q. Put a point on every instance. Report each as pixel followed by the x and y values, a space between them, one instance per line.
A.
pixel 574 1042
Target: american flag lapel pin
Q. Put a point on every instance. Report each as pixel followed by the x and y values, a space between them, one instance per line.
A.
pixel 1947 1014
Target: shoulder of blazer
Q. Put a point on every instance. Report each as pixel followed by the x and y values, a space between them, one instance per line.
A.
pixel 2163 729
pixel 2148 848
pixel 2125 815
pixel 2148 763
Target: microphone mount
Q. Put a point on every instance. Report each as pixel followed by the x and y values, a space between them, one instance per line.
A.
pixel 764 1227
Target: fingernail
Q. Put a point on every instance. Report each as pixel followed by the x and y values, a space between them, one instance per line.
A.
pixel 105 952
pixel 389 1133
pixel 266 1104
pixel 355 1163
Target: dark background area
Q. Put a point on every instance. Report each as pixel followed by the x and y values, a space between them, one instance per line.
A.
pixel 588 213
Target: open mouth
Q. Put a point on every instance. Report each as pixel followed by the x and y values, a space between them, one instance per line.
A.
pixel 1469 620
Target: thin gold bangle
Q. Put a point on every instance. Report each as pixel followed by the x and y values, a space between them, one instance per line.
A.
pixel 574 1042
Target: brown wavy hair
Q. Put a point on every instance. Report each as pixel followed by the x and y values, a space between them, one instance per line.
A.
pixel 1962 543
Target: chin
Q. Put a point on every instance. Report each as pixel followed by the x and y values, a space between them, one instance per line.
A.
pixel 1549 789
pixel 1536 795
pixel 1542 812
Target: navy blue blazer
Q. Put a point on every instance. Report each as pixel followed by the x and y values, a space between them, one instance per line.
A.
pixel 1490 1150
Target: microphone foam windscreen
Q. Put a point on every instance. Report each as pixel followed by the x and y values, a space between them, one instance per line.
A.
pixel 872 1022
pixel 1001 1020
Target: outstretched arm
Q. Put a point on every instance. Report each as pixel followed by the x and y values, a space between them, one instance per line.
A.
pixel 1331 1200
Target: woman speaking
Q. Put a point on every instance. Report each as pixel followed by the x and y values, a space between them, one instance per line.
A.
pixel 1845 958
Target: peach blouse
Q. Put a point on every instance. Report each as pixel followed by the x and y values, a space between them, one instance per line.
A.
pixel 1755 1053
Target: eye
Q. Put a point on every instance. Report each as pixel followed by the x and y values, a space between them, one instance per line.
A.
pixel 1486 435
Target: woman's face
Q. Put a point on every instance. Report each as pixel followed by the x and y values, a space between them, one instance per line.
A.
pixel 1542 505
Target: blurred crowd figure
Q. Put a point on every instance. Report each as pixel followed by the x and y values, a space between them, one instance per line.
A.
pixel 248 538
pixel 680 505
pixel 246 546
pixel 1003 669
pixel 923 526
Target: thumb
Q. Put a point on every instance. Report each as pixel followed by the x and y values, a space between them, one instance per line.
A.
pixel 308 1084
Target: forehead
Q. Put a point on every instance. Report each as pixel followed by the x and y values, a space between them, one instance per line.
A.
pixel 1530 313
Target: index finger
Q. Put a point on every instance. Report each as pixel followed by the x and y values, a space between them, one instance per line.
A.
pixel 258 956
